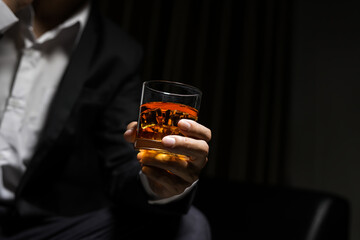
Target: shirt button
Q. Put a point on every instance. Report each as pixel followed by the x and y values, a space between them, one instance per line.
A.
pixel 27 52
pixel 15 103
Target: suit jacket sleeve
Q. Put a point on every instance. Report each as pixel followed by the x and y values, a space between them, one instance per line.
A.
pixel 120 157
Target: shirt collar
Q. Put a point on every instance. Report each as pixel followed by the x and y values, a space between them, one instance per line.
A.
pixel 77 22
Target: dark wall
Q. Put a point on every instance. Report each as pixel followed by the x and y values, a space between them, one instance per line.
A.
pixel 324 143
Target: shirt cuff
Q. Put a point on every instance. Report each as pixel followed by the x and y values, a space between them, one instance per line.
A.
pixel 7 17
pixel 156 200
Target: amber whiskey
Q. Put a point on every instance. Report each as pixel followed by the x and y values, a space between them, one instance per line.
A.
pixel 159 119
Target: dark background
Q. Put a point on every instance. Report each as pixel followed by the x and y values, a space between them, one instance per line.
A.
pixel 280 83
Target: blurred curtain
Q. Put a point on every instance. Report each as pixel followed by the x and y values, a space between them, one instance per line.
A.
pixel 237 52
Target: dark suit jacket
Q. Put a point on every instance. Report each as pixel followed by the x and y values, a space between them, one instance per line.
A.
pixel 82 163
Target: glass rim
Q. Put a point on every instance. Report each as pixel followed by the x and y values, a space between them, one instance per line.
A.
pixel 199 92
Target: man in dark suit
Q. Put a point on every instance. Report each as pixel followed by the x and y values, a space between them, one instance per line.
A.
pixel 70 97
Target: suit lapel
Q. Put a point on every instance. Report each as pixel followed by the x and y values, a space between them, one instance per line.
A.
pixel 66 95
pixel 71 84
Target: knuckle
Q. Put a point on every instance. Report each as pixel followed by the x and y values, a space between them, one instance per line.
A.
pixel 209 135
pixel 186 143
pixel 204 149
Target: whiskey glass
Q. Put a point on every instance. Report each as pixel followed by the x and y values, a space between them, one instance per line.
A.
pixel 163 104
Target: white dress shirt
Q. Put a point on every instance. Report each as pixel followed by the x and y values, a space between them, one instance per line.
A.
pixel 30 71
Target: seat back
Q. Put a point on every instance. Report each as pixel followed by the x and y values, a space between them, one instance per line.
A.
pixel 263 212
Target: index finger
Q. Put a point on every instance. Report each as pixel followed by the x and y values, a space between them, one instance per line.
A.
pixel 194 129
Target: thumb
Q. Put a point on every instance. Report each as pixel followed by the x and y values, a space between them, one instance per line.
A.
pixel 130 132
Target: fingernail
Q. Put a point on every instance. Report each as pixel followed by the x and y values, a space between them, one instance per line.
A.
pixel 184 125
pixel 129 131
pixel 168 141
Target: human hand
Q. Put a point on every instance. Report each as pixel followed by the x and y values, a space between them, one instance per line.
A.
pixel 170 175
pixel 16 5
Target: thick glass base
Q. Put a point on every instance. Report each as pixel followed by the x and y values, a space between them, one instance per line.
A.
pixel 156 149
